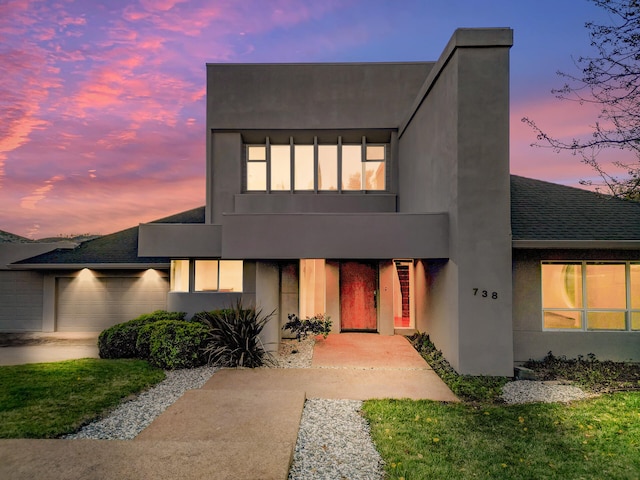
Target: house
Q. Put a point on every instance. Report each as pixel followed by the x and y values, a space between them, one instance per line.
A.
pixel 379 194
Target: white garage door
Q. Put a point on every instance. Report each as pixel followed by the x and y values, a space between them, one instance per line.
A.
pixel 91 304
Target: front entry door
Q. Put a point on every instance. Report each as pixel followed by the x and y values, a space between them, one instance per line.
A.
pixel 358 296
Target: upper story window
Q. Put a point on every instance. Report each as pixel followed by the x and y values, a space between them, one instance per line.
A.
pixel 591 296
pixel 316 167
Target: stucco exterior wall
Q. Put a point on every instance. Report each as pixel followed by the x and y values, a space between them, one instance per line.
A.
pixel 529 339
pixel 311 96
pixel 454 157
pixel 20 301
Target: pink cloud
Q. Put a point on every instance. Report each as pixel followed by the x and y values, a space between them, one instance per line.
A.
pixel 29 202
pixel 561 119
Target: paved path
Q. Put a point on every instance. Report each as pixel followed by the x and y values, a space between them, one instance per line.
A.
pixel 241 424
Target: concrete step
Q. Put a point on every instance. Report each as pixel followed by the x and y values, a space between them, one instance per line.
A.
pixel 344 383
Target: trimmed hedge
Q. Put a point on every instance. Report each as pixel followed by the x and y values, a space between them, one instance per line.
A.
pixel 120 340
pixel 176 344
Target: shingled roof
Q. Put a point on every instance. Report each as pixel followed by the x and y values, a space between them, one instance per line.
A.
pixel 548 211
pixel 116 248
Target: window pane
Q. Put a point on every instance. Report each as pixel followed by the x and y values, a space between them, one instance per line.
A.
pixel 257 176
pixel 327 167
pixel 352 167
pixel 206 275
pixel 375 152
pixel 606 286
pixel 179 275
pixel 561 286
pixel 606 321
pixel 374 174
pixel 257 153
pixel 562 319
pixel 231 275
pixel 303 167
pixel 635 285
pixel 635 320
pixel 280 167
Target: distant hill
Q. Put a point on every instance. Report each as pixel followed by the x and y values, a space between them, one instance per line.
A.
pixel 6 237
pixel 74 238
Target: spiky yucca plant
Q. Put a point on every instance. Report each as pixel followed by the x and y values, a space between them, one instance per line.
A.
pixel 233 339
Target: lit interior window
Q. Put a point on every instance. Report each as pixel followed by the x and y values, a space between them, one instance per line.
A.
pixel 280 167
pixel 179 275
pixel 327 167
pixel 206 275
pixel 591 296
pixel 634 277
pixel 352 167
pixel 257 168
pixel 230 276
pixel 606 290
pixel 303 155
pixel 561 291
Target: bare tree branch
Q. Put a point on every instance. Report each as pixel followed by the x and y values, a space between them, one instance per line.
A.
pixel 610 79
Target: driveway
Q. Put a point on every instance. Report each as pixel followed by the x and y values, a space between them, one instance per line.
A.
pixel 17 349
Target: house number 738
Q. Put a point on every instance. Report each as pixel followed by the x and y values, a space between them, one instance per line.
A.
pixel 485 294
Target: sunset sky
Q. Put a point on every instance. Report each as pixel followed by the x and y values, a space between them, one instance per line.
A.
pixel 102 102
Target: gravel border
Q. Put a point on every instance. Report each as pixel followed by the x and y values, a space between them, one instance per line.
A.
pixel 133 416
pixel 529 391
pixel 334 442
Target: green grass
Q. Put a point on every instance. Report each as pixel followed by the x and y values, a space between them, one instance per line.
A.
pixel 592 439
pixel 47 400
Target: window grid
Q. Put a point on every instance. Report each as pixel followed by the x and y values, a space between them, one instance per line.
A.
pixel 584 310
pixel 372 179
pixel 226 280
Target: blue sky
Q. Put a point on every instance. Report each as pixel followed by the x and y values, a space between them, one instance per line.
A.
pixel 102 104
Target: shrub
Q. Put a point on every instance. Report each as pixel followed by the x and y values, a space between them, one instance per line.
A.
pixel 120 340
pixel 319 324
pixel 472 388
pixel 590 373
pixel 176 344
pixel 233 336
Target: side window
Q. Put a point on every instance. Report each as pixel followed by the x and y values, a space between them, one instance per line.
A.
pixel 591 296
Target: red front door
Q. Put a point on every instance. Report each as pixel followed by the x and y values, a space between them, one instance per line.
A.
pixel 358 296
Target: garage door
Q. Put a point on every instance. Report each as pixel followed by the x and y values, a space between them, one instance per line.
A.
pixel 91 304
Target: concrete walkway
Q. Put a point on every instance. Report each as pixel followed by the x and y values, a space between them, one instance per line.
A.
pixel 241 423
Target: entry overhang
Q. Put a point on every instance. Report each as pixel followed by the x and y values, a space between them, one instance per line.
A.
pixel 321 235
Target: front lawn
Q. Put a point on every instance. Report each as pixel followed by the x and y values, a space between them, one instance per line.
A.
pixel 592 439
pixel 47 400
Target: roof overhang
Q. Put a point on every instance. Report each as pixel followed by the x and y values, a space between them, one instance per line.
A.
pixel 90 266
pixel 578 244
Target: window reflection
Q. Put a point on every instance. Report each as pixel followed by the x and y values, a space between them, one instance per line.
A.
pixel 327 167
pixel 280 167
pixel 352 167
pixel 303 158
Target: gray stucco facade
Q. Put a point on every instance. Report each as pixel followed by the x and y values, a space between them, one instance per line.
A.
pixel 428 232
pixel 443 213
